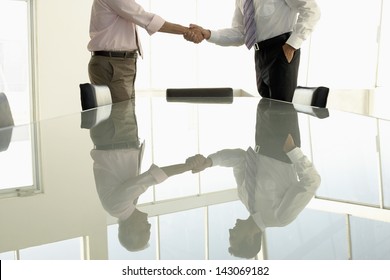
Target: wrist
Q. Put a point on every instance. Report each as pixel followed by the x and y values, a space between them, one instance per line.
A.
pixel 186 30
pixel 289 149
pixel 289 47
pixel 207 34
pixel 209 162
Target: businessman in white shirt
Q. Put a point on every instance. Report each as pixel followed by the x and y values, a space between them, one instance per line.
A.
pixel 279 29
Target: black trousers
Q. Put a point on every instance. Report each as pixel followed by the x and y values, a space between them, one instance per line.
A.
pixel 275 121
pixel 276 77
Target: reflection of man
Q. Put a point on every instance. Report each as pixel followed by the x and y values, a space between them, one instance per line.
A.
pixel 117 159
pixel 275 180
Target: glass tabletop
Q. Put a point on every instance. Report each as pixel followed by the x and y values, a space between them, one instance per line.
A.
pixel 205 179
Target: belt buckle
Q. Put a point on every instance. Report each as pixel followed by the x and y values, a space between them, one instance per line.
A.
pixel 256 47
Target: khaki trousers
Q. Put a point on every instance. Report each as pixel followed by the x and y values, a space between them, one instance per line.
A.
pixel 117 73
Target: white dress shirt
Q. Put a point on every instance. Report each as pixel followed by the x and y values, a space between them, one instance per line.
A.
pixel 273 18
pixel 117 181
pixel 282 189
pixel 113 25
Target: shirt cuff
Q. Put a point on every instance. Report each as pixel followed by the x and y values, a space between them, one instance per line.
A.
pixel 155 25
pixel 214 159
pixel 294 41
pixel 295 154
pixel 157 173
pixel 213 37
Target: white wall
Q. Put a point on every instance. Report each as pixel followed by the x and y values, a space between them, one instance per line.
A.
pixel 61 54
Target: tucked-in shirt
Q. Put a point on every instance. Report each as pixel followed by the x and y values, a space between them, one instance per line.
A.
pixel 118 183
pixel 282 190
pixel 273 18
pixel 113 25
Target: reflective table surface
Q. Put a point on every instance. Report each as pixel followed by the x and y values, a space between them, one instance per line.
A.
pixel 202 179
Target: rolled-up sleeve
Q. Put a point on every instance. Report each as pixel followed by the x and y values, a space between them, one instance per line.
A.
pixel 308 16
pixel 131 10
pixel 157 173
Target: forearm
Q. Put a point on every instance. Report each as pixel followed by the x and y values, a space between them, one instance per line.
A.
pixel 174 28
pixel 228 157
pixel 226 37
pixel 176 169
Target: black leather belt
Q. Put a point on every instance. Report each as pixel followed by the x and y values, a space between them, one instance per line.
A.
pixel 278 40
pixel 130 54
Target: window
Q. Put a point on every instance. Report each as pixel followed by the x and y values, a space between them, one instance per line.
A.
pixel 343 50
pixel 18 157
pixel 384 44
pixel 15 62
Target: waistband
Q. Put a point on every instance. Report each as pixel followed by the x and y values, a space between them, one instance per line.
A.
pixel 280 39
pixel 124 54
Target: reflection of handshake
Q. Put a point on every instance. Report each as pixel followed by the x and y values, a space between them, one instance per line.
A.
pixel 196 34
pixel 198 163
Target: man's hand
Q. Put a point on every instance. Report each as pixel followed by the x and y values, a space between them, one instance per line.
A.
pixel 194 35
pixel 289 144
pixel 198 163
pixel 205 32
pixel 197 34
pixel 288 52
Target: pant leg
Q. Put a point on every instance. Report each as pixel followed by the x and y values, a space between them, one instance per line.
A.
pixel 276 78
pixel 274 122
pixel 262 78
pixel 117 73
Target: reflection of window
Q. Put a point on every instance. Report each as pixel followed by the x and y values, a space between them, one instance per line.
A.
pixel 7 256
pixel 62 250
pixel 370 239
pixel 336 184
pixel 17 164
pixel 314 235
pixel 178 230
pixel 222 218
pixel 384 138
pixel 14 57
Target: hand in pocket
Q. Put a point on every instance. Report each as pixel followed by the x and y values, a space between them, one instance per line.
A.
pixel 288 52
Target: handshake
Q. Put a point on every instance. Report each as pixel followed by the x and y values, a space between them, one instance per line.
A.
pixel 196 34
pixel 198 163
